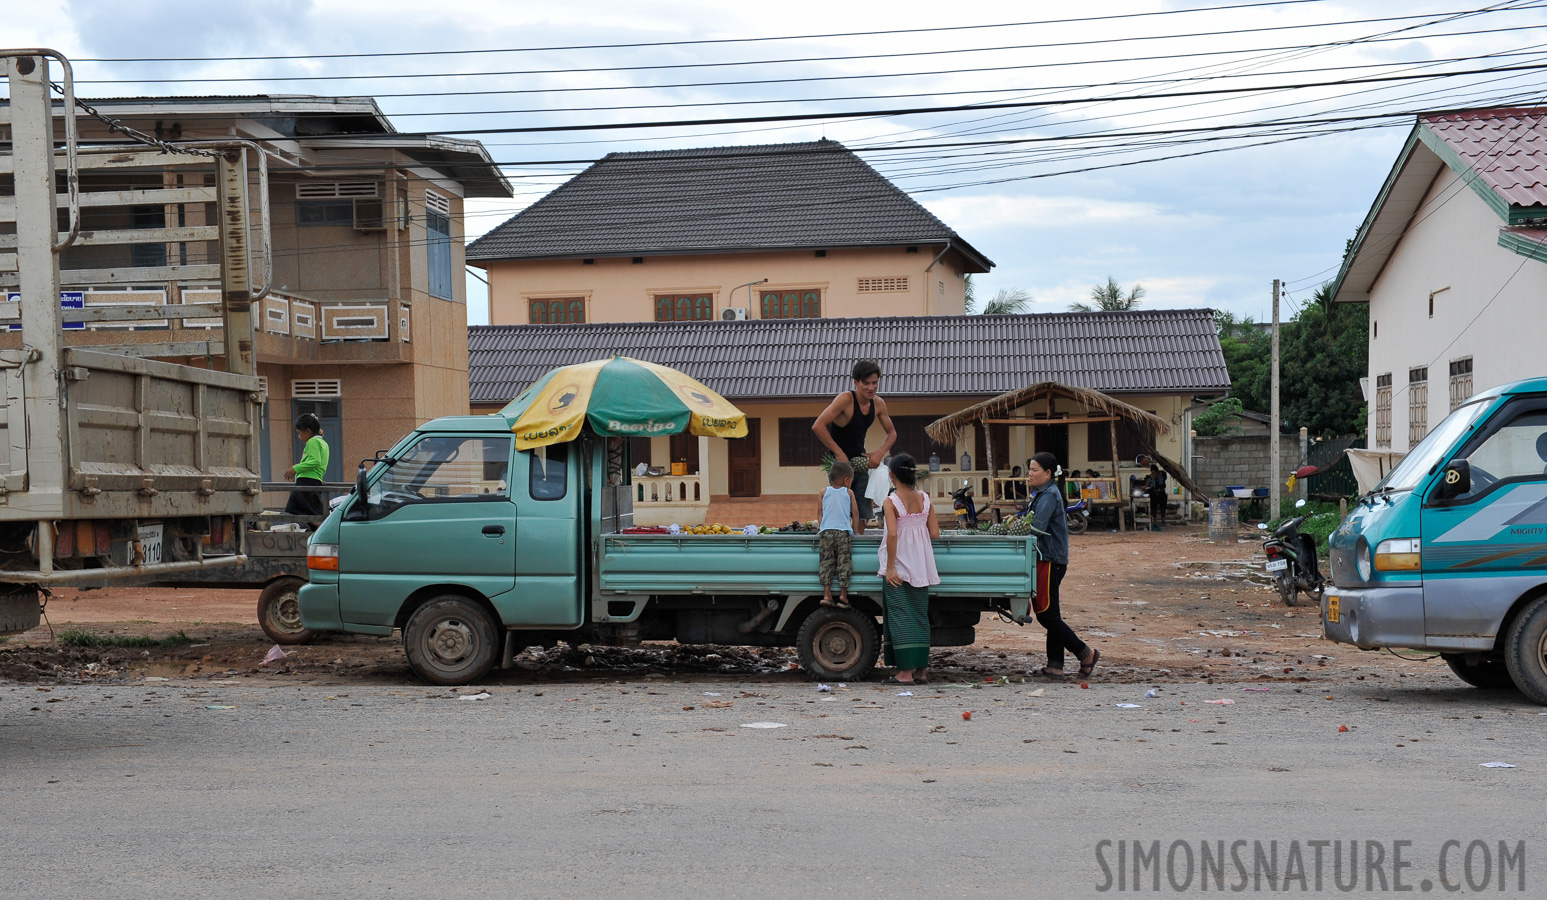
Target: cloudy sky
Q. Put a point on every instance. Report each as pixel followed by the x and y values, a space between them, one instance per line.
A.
pixel 1201 148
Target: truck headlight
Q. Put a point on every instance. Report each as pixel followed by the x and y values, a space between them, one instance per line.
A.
pixel 1398 555
pixel 323 557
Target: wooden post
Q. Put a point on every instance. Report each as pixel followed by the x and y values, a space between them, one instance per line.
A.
pixel 1117 483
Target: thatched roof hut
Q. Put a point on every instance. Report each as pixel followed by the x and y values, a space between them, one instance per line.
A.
pixel 948 429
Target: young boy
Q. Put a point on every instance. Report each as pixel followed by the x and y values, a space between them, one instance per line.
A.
pixel 309 469
pixel 839 520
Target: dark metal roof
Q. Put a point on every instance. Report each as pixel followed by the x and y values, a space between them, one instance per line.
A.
pixel 1149 351
pixel 720 199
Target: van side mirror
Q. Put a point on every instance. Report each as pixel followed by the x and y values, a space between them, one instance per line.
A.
pixel 1455 480
pixel 360 509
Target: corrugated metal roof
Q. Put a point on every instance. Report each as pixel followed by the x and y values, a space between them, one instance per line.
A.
pixel 720 199
pixel 1164 350
pixel 1507 148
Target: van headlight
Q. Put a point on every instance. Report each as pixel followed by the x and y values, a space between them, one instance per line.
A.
pixel 322 557
pixel 1362 560
pixel 1398 555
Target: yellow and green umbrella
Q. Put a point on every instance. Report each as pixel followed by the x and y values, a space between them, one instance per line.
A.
pixel 620 397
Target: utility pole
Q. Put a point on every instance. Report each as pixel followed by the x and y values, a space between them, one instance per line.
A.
pixel 1273 463
pixel 235 280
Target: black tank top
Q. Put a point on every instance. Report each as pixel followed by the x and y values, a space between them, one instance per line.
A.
pixel 850 437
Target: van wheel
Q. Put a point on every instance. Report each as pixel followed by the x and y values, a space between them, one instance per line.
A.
pixel 838 644
pixel 451 640
pixel 1525 651
pixel 279 612
pixel 1490 674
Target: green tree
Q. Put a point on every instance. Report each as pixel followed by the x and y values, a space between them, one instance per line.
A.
pixel 1248 350
pixel 1109 297
pixel 1004 301
pixel 970 294
pixel 1323 354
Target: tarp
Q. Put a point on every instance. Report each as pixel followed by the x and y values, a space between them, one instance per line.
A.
pixel 1371 466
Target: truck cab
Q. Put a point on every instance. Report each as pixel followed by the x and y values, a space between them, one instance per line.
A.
pixel 1449 552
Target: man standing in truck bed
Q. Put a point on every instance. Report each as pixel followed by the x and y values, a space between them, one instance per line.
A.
pixel 842 426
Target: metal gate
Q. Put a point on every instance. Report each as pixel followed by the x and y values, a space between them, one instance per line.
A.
pixel 1337 476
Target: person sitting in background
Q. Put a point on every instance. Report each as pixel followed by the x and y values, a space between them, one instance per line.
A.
pixel 1017 484
pixel 1155 486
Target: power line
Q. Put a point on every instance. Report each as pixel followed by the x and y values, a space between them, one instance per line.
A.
pixel 810 59
pixel 697 42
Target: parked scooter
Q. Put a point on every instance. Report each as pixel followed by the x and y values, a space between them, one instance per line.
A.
pixel 1292 560
pixel 1078 514
pixel 966 510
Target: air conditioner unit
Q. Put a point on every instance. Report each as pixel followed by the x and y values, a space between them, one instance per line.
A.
pixel 369 214
pixel 733 314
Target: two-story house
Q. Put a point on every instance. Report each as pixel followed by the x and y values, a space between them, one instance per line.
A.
pixel 785 231
pixel 1452 259
pixel 365 320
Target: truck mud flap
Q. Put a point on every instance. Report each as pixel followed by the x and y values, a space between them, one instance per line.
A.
pixel 19 611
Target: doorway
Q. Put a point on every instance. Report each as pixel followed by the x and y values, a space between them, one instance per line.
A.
pixel 746 461
pixel 328 412
pixel 1052 439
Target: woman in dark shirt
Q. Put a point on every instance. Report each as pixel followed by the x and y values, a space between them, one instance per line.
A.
pixel 1047 512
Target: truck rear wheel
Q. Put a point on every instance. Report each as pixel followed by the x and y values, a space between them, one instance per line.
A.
pixel 451 640
pixel 1490 674
pixel 279 612
pixel 1525 651
pixel 839 644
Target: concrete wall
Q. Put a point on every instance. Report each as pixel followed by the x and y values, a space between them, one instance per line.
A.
pixel 1451 252
pixel 620 290
pixel 1219 462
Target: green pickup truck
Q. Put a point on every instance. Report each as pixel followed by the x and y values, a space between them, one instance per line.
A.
pixel 474 549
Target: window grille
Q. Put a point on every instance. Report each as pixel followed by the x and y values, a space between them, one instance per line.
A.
pixel 328 190
pixel 437 203
pixel 1417 405
pixel 883 284
pixel 1383 410
pixel 316 388
pixel 1460 381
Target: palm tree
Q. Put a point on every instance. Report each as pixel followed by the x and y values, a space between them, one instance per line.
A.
pixel 969 293
pixel 1109 297
pixel 1004 302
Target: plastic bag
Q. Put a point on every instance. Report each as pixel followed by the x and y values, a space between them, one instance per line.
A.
pixel 879 486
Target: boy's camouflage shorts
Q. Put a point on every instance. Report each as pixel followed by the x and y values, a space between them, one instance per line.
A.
pixel 837 558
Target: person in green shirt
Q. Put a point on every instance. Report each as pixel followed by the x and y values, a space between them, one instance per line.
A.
pixel 309 469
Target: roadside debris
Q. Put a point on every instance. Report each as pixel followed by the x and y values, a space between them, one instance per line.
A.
pixel 765 725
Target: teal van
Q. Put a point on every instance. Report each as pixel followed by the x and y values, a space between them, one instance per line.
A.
pixel 1449 552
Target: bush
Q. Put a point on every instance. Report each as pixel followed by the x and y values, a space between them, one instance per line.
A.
pixel 1321 519
pixel 1217 419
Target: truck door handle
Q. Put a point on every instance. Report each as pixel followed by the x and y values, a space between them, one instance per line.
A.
pixel 494 530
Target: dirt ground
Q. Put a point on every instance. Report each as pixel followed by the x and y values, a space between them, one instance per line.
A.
pixel 1169 607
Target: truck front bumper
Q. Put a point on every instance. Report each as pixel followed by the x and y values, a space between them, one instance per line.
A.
pixel 1372 617
pixel 319 607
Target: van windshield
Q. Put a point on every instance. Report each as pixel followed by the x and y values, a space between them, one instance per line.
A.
pixel 1419 460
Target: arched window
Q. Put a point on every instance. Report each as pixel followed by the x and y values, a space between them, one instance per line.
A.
pixel 702 308
pixel 557 311
pixel 539 312
pixel 577 311
pixel 811 305
pixel 792 305
pixel 770 306
pixel 663 309
pixel 791 308
pixel 684 308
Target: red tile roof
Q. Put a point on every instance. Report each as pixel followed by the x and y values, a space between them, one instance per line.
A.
pixel 1507 147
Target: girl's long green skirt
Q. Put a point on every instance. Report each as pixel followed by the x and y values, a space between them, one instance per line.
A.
pixel 906 626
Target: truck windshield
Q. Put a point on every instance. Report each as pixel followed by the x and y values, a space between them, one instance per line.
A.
pixel 1419 460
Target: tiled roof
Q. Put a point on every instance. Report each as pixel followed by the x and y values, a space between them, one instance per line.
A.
pixel 1163 350
pixel 1506 147
pixel 720 199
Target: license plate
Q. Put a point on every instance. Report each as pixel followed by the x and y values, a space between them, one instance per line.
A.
pixel 1277 565
pixel 150 543
pixel 1332 607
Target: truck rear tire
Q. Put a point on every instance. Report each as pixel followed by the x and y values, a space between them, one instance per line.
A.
pixel 279 612
pixel 1487 674
pixel 838 644
pixel 451 640
pixel 1525 651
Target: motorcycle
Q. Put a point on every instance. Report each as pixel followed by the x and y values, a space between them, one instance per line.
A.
pixel 966 510
pixel 1292 562
pixel 1078 514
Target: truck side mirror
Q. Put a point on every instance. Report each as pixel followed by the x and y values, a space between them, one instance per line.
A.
pixel 361 508
pixel 1455 481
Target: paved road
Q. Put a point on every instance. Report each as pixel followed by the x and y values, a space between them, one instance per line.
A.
pixel 615 789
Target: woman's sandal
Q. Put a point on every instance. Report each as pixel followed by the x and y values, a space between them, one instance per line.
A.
pixel 1045 672
pixel 892 679
pixel 1087 668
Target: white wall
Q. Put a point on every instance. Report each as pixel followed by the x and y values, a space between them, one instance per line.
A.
pixel 1455 247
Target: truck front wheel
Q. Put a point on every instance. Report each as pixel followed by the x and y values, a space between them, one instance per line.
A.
pixel 1525 650
pixel 451 640
pixel 1490 674
pixel 838 644
pixel 279 612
